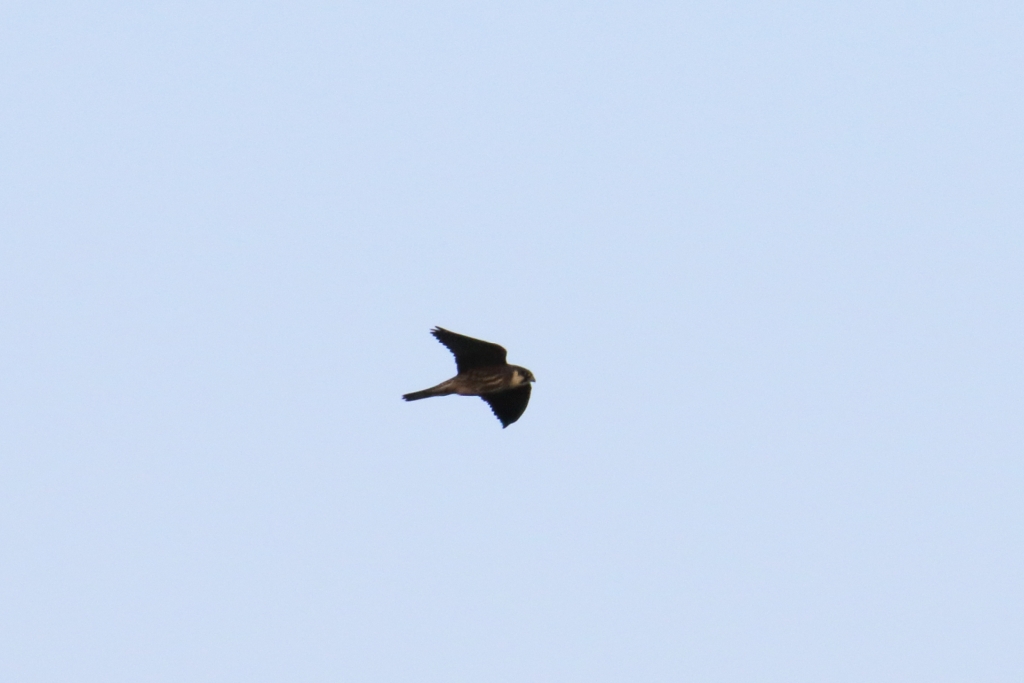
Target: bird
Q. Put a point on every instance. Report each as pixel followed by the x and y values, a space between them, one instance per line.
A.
pixel 483 372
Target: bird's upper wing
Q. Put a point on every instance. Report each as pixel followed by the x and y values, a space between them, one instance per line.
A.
pixel 470 353
pixel 509 406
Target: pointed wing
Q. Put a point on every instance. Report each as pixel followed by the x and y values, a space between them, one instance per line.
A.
pixel 509 406
pixel 470 353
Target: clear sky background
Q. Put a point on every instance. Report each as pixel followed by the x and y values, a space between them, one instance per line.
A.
pixel 765 259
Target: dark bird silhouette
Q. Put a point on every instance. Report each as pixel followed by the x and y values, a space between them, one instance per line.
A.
pixel 483 372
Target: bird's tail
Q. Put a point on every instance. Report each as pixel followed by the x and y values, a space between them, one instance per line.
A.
pixel 417 395
pixel 441 389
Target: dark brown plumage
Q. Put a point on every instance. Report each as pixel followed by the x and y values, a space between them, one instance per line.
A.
pixel 483 372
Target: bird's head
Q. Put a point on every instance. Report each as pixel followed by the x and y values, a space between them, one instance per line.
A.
pixel 521 375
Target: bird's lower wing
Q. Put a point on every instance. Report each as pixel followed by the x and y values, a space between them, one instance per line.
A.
pixel 509 406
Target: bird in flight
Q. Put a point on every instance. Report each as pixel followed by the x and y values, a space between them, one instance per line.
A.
pixel 482 372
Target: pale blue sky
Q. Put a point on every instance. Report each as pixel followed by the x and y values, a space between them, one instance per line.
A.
pixel 766 261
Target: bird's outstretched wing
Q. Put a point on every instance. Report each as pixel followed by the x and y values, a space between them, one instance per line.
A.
pixel 509 406
pixel 470 353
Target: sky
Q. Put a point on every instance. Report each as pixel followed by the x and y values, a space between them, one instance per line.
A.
pixel 766 261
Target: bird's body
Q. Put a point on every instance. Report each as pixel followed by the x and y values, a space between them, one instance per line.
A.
pixel 483 372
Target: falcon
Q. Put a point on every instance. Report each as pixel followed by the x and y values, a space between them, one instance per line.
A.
pixel 483 372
